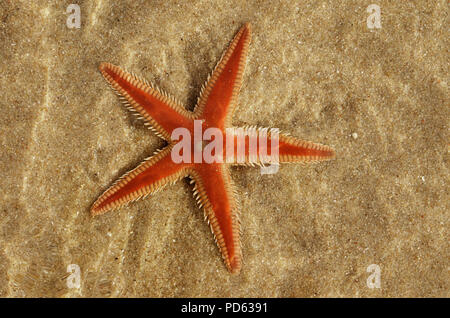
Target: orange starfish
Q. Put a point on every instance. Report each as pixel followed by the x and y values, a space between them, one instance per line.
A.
pixel 213 188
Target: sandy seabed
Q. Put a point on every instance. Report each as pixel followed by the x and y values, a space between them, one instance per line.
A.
pixel 378 96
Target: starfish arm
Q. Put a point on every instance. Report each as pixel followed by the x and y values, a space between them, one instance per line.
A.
pixel 214 191
pixel 219 97
pixel 254 146
pixel 292 149
pixel 147 178
pixel 162 113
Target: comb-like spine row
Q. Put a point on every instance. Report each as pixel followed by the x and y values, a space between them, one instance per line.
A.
pixel 150 89
pixel 307 145
pixel 202 200
pixel 142 192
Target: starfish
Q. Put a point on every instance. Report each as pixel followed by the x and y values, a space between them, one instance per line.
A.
pixel 213 187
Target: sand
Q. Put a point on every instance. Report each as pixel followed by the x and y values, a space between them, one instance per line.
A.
pixel 379 97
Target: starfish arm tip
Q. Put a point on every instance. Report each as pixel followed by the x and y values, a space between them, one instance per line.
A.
pixel 98 209
pixel 103 65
